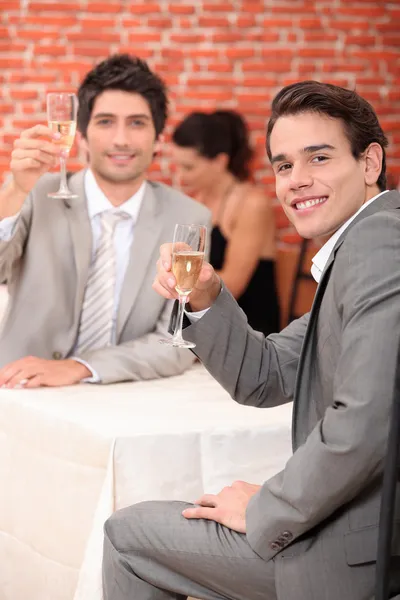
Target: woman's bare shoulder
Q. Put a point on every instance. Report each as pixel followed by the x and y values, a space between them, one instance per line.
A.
pixel 255 196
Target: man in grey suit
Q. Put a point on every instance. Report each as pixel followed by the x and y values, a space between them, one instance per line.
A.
pixel 309 532
pixel 80 271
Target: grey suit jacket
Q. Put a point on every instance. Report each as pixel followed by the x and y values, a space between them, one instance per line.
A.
pixel 320 515
pixel 46 266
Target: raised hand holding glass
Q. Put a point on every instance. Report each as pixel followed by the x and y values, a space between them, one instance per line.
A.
pixel 187 259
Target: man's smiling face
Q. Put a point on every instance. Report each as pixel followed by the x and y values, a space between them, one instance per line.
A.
pixel 318 181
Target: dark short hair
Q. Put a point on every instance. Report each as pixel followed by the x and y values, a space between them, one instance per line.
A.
pixel 128 74
pixel 220 132
pixel 360 122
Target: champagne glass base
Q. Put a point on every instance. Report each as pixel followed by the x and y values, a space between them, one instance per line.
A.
pixel 62 195
pixel 177 344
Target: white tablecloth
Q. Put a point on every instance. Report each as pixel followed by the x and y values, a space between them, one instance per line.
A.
pixel 70 456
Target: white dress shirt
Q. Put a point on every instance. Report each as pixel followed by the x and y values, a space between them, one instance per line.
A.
pixel 7 227
pixel 319 261
pixel 123 237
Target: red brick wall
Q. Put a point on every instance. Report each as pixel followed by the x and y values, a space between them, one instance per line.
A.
pixel 234 53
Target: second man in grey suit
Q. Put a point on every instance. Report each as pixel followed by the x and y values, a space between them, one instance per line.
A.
pixel 79 271
pixel 309 532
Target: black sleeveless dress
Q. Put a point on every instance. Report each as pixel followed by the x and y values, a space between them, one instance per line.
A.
pixel 260 299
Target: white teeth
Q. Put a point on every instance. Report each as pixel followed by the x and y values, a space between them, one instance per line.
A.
pixel 121 157
pixel 308 203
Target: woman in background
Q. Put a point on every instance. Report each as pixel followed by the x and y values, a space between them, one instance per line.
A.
pixel 212 154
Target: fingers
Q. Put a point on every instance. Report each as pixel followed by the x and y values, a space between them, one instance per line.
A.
pixel 11 374
pixel 41 144
pixel 9 371
pixel 166 256
pixel 201 512
pixel 207 508
pixel 14 372
pixel 34 382
pixel 24 163
pixel 240 484
pixel 37 131
pixel 208 500
pixel 35 144
pixel 166 292
pixel 165 282
pixel 21 377
pixel 41 157
pixel 205 291
pixel 207 274
pixel 182 247
pixel 31 151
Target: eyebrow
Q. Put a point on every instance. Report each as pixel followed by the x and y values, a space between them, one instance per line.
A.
pixel 137 116
pixel 306 150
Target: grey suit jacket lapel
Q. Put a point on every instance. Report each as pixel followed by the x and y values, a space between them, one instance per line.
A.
pixel 304 368
pixel 81 233
pixel 145 238
pixel 387 201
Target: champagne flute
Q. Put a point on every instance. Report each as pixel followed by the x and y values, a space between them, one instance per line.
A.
pixel 187 259
pixel 62 109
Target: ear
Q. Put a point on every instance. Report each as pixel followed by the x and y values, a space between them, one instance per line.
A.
pixel 373 157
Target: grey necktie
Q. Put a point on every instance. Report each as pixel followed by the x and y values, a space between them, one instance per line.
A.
pixel 96 322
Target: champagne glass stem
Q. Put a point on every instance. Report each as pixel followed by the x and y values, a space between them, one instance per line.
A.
pixel 63 171
pixel 177 338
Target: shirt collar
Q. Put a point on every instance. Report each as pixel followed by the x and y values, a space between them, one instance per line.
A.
pixel 97 202
pixel 321 258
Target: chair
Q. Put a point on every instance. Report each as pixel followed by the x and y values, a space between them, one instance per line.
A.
pixel 295 288
pixel 302 274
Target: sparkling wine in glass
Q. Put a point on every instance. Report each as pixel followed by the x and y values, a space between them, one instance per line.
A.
pixel 62 110
pixel 187 259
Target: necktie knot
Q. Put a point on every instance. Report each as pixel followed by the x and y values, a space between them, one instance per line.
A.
pixel 110 219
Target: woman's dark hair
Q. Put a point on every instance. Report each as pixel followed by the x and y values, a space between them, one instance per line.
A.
pixel 220 132
pixel 360 122
pixel 128 74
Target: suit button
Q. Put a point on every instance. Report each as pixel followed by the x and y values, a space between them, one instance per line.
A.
pixel 275 546
pixel 57 355
pixel 287 536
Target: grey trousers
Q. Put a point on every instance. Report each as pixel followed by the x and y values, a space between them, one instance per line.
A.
pixel 151 552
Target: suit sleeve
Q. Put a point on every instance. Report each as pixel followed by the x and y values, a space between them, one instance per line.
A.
pixel 14 232
pixel 255 370
pixel 346 449
pixel 140 359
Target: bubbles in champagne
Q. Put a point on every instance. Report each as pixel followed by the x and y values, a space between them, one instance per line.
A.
pixel 186 267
